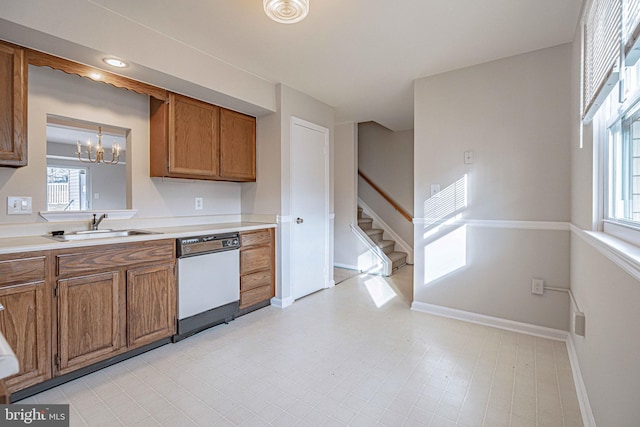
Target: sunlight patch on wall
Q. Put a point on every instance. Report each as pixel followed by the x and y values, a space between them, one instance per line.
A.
pixel 446 204
pixel 445 255
pixel 379 291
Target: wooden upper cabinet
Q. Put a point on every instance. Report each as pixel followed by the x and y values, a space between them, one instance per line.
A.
pixel 13 106
pixel 237 146
pixel 197 140
pixel 185 138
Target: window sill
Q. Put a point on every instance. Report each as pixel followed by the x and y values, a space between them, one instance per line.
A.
pixel 624 254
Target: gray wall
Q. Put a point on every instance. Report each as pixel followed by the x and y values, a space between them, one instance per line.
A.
pixel 514 115
pixel 350 252
pixel 54 92
pixel 608 354
pixel 386 157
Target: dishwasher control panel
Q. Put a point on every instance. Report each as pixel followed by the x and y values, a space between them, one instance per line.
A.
pixel 198 245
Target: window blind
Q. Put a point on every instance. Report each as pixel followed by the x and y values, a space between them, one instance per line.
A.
pixel 631 31
pixel 601 54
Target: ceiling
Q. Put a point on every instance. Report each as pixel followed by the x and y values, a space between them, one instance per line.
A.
pixel 359 56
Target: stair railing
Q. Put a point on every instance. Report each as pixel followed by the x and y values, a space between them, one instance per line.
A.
pixel 385 196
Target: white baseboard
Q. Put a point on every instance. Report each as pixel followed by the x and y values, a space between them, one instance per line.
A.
pixel 525 328
pixel 346 266
pixel 282 303
pixel 496 322
pixel 581 390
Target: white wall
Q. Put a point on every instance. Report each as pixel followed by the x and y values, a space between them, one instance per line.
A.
pixel 271 194
pixel 84 31
pixel 386 157
pixel 609 352
pixel 514 115
pixel 54 92
pixel 350 252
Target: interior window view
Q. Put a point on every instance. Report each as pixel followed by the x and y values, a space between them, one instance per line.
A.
pixel 320 213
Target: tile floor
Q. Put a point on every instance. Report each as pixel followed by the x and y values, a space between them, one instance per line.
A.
pixel 332 359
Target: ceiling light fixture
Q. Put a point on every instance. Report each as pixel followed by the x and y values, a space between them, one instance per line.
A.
pixel 286 11
pixel 115 62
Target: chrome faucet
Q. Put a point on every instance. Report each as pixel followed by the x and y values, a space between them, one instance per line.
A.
pixel 96 222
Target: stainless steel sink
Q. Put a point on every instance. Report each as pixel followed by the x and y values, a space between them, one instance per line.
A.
pixel 98 234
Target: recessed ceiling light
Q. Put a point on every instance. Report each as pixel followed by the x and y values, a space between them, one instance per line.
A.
pixel 115 62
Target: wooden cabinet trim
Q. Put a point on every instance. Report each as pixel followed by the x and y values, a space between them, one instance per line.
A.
pixel 14 271
pixel 40 59
pixel 13 106
pixel 113 256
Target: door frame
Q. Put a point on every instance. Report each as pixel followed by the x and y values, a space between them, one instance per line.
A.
pixel 295 121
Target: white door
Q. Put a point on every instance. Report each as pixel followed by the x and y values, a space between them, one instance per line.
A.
pixel 309 207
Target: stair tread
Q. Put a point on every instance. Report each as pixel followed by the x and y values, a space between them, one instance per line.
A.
pixel 374 231
pixel 395 256
pixel 385 243
pixel 364 220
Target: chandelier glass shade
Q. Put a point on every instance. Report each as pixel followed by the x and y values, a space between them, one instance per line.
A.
pixel 286 11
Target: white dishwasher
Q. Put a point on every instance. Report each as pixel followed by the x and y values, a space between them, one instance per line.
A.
pixel 208 282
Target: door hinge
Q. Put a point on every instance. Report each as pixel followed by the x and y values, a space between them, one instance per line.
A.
pixel 56 360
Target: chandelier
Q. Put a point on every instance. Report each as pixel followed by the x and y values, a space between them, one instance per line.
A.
pixel 99 152
pixel 286 11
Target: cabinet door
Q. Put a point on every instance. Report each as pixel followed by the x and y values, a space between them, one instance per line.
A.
pixel 25 325
pixel 193 137
pixel 88 319
pixel 151 304
pixel 237 146
pixel 13 106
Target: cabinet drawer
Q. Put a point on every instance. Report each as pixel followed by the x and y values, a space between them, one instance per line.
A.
pixel 255 280
pixel 260 237
pixel 22 270
pixel 254 296
pixel 114 257
pixel 255 259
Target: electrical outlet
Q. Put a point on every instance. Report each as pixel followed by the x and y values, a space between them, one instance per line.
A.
pixel 468 157
pixel 537 286
pixel 199 203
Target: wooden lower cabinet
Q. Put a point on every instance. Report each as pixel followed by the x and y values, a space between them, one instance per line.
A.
pixel 25 319
pixel 88 320
pixel 257 267
pixel 24 322
pixel 151 304
pixel 112 299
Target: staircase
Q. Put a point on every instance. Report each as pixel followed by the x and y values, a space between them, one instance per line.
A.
pixel 398 259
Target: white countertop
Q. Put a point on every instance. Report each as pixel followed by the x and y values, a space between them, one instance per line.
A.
pixel 10 245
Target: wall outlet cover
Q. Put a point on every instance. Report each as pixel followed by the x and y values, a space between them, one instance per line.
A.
pixel 199 203
pixel 18 205
pixel 537 286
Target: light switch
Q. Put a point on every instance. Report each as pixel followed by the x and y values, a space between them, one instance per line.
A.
pixel 435 190
pixel 18 205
